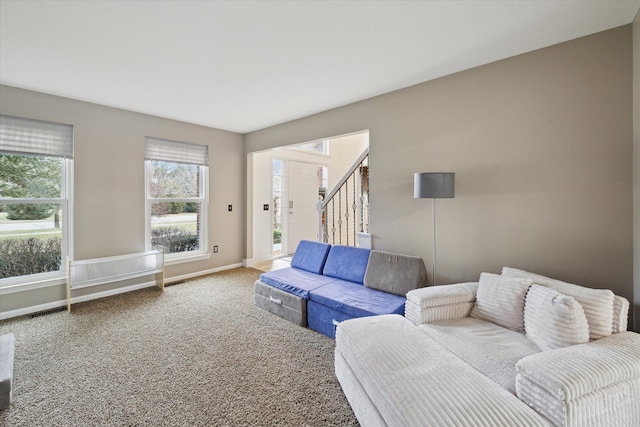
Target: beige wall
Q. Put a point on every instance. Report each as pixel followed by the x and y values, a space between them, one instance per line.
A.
pixel 343 152
pixel 541 145
pixel 109 181
pixel 262 194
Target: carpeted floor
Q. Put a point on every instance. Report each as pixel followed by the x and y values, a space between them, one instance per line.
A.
pixel 199 353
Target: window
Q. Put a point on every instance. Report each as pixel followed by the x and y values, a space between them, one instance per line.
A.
pixel 279 195
pixel 319 146
pixel 177 196
pixel 35 168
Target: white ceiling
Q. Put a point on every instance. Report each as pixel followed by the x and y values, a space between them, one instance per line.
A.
pixel 246 65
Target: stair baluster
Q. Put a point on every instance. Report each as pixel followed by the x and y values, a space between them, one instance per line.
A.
pixel 347 225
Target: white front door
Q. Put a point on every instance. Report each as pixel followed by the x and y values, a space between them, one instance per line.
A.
pixel 302 204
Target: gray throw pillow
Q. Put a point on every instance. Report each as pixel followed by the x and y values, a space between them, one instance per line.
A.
pixel 394 273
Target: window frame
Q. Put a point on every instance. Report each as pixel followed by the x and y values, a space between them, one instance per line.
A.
pixel 40 280
pixel 309 147
pixel 203 200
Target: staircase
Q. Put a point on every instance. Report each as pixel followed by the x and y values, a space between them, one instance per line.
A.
pixel 344 212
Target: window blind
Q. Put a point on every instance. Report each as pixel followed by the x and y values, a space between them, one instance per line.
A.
pixel 27 136
pixel 174 151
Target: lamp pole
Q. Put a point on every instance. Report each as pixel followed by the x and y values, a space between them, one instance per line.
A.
pixel 433 216
pixel 434 185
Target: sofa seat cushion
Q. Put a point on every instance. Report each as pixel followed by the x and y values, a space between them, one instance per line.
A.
pixel 295 281
pixel 491 349
pixel 413 381
pixel 323 319
pixel 357 300
pixel 310 256
pixel 284 304
pixel 347 263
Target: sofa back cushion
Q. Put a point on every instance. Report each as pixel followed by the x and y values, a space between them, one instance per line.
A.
pixel 620 314
pixel 596 303
pixel 500 300
pixel 554 320
pixel 310 256
pixel 347 263
pixel 394 273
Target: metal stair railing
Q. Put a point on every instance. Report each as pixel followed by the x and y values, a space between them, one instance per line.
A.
pixel 351 197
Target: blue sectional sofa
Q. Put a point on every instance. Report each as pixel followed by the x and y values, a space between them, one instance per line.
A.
pixel 326 285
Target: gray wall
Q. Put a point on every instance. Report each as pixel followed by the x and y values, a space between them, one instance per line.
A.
pixel 541 145
pixel 109 193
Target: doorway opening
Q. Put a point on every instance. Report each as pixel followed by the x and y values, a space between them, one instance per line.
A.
pixel 297 187
pixel 287 184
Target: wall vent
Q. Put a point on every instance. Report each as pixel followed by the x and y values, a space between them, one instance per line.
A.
pixel 44 313
pixel 174 283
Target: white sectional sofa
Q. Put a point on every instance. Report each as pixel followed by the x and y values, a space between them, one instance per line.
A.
pixel 516 349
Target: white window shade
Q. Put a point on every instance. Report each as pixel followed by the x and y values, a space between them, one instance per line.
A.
pixel 174 151
pixel 27 136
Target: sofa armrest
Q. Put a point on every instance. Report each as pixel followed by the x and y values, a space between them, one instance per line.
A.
pixel 597 383
pixel 443 302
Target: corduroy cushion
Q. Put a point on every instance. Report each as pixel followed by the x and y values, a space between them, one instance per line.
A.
pixel 500 300
pixel 554 320
pixel 593 384
pixel 620 314
pixel 596 303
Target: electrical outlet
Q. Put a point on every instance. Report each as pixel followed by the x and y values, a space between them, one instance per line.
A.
pixel 265 207
pixel 215 249
pixel 230 208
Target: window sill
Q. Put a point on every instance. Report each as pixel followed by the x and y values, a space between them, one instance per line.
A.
pixel 186 258
pixel 9 286
pixel 12 286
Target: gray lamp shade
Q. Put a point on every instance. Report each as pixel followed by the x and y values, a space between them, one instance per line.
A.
pixel 434 185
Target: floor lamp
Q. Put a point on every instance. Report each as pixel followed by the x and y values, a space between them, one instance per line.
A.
pixel 434 185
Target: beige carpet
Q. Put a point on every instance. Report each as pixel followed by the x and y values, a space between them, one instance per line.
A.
pixel 199 353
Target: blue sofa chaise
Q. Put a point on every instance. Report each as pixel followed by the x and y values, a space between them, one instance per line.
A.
pixel 327 284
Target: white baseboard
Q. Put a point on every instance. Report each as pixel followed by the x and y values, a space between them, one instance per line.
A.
pixel 252 261
pixel 32 309
pixel 201 273
pixel 61 303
